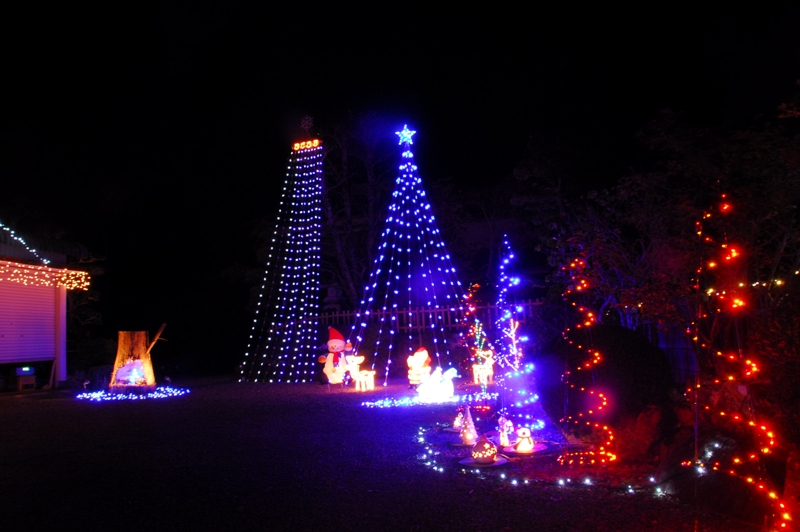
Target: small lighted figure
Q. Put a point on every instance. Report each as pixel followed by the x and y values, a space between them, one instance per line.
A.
pixel 335 364
pixel 458 421
pixel 364 379
pixel 484 451
pixel 524 443
pixel 438 387
pixel 504 428
pixel 131 374
pixel 508 427
pixel 419 367
pixel 468 434
pixel 483 372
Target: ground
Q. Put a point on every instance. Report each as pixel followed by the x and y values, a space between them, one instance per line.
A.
pixel 232 456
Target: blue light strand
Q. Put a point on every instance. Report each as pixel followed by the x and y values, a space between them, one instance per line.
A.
pixel 510 354
pixel 391 402
pixel 412 277
pixel 282 342
pixel 162 392
pixel 432 457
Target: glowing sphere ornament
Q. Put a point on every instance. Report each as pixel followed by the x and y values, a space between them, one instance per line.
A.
pixel 484 451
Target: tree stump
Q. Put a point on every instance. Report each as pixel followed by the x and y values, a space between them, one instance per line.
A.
pixel 133 368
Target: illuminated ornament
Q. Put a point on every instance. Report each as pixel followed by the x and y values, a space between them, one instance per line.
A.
pixel 438 388
pixel 405 135
pixel 419 366
pixel 468 434
pixel 283 338
pixel 335 364
pixel 484 451
pixel 524 443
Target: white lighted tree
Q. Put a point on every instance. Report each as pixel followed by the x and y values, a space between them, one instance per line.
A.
pixel 282 342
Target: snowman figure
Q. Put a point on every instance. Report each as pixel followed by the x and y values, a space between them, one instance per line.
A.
pixel 335 364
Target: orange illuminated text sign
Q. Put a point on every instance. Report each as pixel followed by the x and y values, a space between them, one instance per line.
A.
pixel 306 144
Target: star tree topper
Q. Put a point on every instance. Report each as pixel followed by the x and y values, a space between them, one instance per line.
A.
pixel 405 135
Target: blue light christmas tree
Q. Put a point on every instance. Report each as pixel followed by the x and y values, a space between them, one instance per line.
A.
pixel 413 297
pixel 282 343
pixel 510 355
pixel 518 399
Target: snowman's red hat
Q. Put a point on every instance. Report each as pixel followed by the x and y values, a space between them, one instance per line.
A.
pixel 333 334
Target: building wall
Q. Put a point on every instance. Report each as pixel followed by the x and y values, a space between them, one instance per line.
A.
pixel 28 322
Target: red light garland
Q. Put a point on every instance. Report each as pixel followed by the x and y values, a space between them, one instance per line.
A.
pixel 602 455
pixel 732 299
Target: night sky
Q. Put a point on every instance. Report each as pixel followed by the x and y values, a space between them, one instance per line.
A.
pixel 158 135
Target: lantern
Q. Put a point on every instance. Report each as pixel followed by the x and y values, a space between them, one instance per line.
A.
pixel 484 452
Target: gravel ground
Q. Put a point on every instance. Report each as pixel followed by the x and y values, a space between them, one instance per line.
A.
pixel 232 456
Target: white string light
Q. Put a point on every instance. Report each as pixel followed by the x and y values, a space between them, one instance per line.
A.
pixel 24 244
pixel 281 346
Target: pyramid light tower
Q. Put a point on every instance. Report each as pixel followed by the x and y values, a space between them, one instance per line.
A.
pixel 412 296
pixel 282 343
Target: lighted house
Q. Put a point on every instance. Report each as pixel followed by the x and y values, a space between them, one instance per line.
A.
pixel 33 305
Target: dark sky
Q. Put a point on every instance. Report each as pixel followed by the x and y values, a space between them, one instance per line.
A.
pixel 157 135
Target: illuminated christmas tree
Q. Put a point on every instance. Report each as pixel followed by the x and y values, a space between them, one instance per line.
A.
pixel 412 296
pixel 510 352
pixel 518 398
pixel 282 344
pixel 468 433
